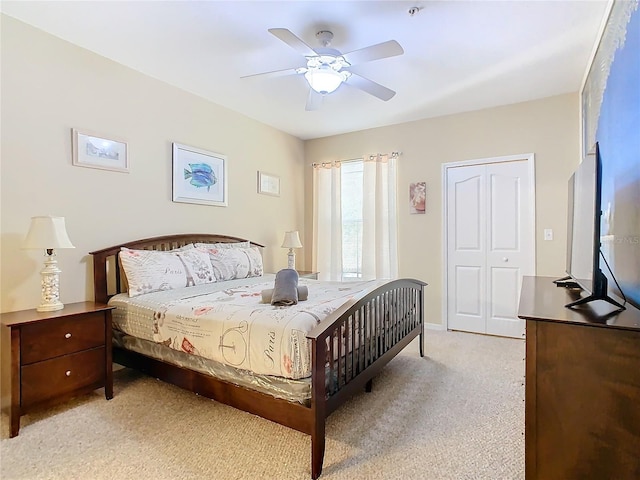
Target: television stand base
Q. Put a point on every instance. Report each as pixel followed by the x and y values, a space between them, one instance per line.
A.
pixel 599 292
pixel 591 298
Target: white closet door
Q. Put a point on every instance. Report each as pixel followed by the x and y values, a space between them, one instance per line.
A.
pixel 510 249
pixel 490 246
pixel 467 249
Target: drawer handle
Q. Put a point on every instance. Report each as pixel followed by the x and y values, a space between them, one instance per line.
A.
pixel 67 335
pixel 68 373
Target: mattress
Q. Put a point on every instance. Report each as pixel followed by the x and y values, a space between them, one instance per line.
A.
pixel 227 323
pixel 287 389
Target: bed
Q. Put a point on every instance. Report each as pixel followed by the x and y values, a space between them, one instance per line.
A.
pixel 346 348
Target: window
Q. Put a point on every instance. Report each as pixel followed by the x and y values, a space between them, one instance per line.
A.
pixel 351 205
pixel 354 218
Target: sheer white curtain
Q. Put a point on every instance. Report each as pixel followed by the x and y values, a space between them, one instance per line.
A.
pixel 379 255
pixel 327 221
pixel 379 220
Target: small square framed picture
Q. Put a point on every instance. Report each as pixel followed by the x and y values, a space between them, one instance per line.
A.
pixel 268 184
pixel 94 150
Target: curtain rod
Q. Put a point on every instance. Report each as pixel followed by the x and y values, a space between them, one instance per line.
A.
pixel 370 157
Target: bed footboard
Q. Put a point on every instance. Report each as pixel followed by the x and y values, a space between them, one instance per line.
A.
pixel 352 345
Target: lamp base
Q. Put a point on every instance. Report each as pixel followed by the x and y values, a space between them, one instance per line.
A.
pixel 50 286
pixel 291 259
pixel 50 307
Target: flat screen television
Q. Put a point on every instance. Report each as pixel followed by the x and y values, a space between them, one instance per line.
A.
pixel 583 245
pixel 620 227
pixel 611 105
pixel 568 281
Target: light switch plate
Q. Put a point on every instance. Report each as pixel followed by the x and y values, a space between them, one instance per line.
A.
pixel 548 234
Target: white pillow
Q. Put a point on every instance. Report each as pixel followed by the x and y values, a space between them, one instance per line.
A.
pixel 151 270
pixel 230 263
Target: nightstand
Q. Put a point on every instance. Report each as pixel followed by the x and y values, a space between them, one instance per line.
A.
pixel 57 355
pixel 307 274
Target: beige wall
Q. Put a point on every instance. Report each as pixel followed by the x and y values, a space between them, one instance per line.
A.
pixel 48 87
pixel 548 128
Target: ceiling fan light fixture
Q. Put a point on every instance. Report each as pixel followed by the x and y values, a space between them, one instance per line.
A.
pixel 325 79
pixel 327 68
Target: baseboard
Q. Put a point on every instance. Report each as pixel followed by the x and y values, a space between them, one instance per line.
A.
pixel 434 326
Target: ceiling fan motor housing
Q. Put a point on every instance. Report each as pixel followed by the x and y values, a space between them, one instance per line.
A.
pixel 324 37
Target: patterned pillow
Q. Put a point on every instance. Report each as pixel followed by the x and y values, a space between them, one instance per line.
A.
pixel 123 275
pixel 230 263
pixel 207 246
pixel 151 270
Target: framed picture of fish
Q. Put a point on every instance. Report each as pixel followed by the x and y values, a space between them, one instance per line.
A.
pixel 199 176
pixel 268 184
pixel 97 151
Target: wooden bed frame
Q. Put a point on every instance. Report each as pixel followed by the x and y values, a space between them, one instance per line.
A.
pixel 376 327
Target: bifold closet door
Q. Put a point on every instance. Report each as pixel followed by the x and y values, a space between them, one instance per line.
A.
pixel 489 246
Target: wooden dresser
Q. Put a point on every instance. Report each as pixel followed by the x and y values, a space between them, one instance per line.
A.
pixel 582 407
pixel 57 355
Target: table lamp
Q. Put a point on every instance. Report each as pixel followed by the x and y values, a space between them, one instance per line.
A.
pixel 48 233
pixel 291 241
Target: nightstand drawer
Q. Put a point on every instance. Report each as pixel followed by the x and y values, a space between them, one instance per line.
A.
pixel 62 375
pixel 50 339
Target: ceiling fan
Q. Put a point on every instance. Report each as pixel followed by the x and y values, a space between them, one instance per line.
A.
pixel 326 68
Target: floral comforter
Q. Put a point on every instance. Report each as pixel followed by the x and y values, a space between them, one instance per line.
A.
pixel 227 322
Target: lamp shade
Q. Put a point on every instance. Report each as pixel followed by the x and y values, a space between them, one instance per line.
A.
pixel 291 240
pixel 47 232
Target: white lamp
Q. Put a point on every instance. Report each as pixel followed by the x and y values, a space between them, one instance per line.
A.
pixel 48 233
pixel 291 241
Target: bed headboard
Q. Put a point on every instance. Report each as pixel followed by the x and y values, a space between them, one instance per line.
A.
pixel 107 278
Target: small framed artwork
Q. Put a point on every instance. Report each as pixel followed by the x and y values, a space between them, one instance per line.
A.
pixel 268 184
pixel 97 151
pixel 199 176
pixel 417 197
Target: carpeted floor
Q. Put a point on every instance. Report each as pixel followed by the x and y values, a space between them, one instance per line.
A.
pixel 456 414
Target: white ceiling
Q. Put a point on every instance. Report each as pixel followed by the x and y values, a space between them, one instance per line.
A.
pixel 459 55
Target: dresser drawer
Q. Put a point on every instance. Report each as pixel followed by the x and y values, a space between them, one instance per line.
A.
pixel 62 375
pixel 45 340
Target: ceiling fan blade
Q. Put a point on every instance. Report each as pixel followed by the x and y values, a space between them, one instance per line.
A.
pixel 294 42
pixel 374 52
pixel 314 100
pixel 371 87
pixel 274 73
